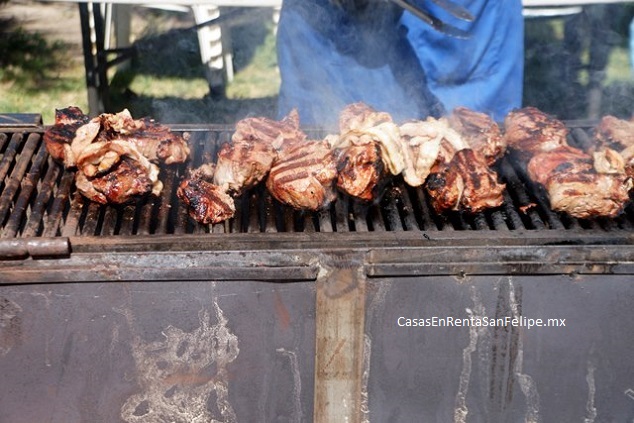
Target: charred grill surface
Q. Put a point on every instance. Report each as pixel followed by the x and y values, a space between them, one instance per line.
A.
pixel 39 199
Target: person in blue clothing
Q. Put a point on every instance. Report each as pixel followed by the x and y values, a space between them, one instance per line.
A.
pixel 335 52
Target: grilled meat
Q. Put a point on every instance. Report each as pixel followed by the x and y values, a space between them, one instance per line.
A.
pixel 607 160
pixel 270 132
pixel 360 116
pixel 579 184
pixel 206 202
pixel 113 153
pixel 368 149
pixel 126 181
pixel 423 142
pixel 480 131
pixel 73 131
pixel 360 170
pixel 115 172
pixel 628 159
pixel 59 136
pixel 590 194
pixel 242 164
pixel 559 161
pixel 153 140
pixel 303 174
pixel 466 182
pixel 615 133
pixel 530 131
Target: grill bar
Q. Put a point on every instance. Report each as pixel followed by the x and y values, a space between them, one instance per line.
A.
pixel 38 199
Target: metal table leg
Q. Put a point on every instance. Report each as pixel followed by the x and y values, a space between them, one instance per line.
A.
pixel 94 58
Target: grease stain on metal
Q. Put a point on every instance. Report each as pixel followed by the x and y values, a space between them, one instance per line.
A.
pixel 10 325
pixel 526 382
pixel 365 377
pixel 461 410
pixel 178 375
pixel 297 384
pixel 591 410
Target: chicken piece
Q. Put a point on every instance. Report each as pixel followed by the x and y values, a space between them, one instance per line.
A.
pixel 360 170
pixel 58 136
pixel 582 185
pixel 206 202
pixel 628 159
pixel 466 182
pixel 607 160
pixel 242 164
pixel 303 175
pixel 360 116
pixel 615 133
pixel 387 138
pixel 270 132
pixel 115 172
pixel 586 195
pixel 428 146
pixel 126 181
pixel 529 131
pixel 559 161
pixel 153 140
pixel 480 132
pixel 360 124
pixel 422 141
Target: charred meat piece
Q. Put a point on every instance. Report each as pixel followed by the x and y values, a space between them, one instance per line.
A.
pixel 270 132
pixel 561 160
pixel 607 160
pixel 124 182
pixel 360 116
pixel 466 182
pixel 530 131
pixel 360 124
pixel 480 131
pixel 628 159
pixel 368 149
pixel 427 144
pixel 590 194
pixel 206 203
pixel 153 140
pixel 303 175
pixel 242 164
pixel 615 133
pixel 115 172
pixel 58 136
pixel 579 184
pixel 360 170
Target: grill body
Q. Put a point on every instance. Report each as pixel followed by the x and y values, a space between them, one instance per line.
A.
pixel 135 312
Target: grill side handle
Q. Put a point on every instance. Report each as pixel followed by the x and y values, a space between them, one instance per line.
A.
pixel 21 248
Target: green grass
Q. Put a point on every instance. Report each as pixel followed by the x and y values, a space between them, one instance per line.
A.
pixel 619 68
pixel 37 75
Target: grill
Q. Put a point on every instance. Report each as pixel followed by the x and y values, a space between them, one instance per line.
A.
pixel 318 293
pixel 39 206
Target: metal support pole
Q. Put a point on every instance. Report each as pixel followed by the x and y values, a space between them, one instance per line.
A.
pixel 340 320
pixel 94 102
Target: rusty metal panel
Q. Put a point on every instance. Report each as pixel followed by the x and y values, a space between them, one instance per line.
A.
pixel 581 372
pixel 157 352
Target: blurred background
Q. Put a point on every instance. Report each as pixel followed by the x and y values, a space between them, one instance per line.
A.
pixel 571 59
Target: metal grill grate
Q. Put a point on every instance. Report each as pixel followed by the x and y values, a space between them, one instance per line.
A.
pixel 38 199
